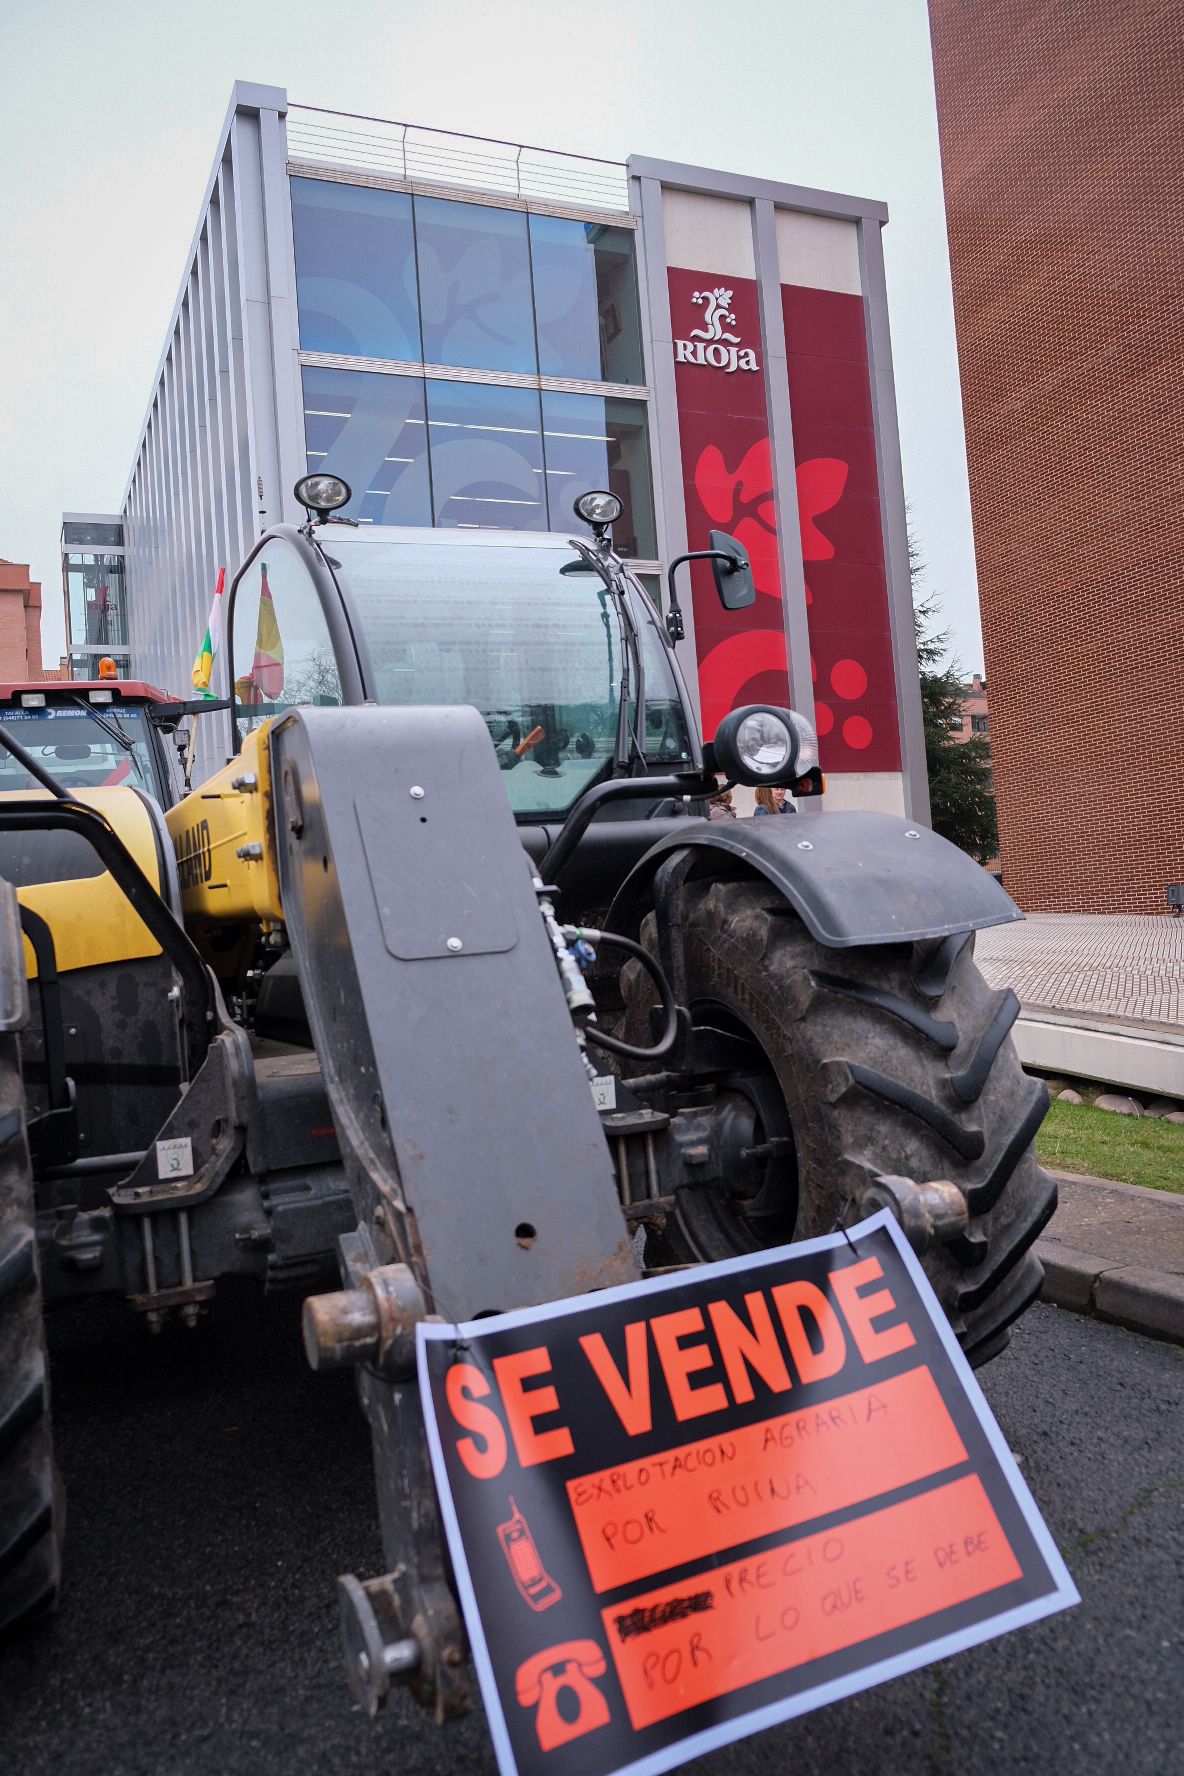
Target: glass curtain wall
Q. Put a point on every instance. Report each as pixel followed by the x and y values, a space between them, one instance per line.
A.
pixel 441 284
pixel 97 599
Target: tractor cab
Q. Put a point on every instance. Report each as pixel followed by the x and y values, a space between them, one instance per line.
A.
pixel 519 627
pixel 93 734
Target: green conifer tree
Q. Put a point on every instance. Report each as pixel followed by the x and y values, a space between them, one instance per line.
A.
pixel 961 798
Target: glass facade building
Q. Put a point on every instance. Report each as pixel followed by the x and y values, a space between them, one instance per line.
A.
pixel 451 339
pixel 471 333
pixel 94 584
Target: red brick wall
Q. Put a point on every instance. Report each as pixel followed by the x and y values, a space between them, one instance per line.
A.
pixel 1062 142
pixel 20 623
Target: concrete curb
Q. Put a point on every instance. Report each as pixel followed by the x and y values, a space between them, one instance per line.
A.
pixel 1137 1295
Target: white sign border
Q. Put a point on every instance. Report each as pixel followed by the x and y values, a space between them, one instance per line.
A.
pixel 1063 1596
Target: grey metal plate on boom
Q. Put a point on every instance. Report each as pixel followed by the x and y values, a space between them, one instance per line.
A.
pixel 460 1098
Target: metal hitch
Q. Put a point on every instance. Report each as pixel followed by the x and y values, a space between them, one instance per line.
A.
pixel 928 1213
pixel 371 1660
pixel 373 1323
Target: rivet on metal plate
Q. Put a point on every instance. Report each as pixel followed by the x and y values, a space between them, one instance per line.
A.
pixel 805 845
pixel 416 792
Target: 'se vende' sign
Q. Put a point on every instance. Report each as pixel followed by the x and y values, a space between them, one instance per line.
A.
pixel 687 1509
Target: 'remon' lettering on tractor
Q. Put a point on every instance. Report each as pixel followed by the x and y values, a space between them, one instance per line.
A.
pixel 462 833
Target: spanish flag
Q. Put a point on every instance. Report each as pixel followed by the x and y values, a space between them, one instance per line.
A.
pixel 203 666
pixel 264 683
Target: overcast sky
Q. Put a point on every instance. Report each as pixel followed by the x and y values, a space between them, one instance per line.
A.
pixel 109 118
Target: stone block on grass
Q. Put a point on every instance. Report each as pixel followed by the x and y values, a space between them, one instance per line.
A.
pixel 1119 1105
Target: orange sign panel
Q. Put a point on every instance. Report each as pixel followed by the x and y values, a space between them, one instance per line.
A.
pixel 650 1515
pixel 763 1615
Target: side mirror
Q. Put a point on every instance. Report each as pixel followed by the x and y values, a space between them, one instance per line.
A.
pixel 733 572
pixel 733 579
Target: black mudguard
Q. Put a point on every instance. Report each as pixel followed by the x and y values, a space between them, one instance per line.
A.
pixel 852 878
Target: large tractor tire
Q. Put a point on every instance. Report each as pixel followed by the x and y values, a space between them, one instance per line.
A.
pixel 892 1060
pixel 30 1501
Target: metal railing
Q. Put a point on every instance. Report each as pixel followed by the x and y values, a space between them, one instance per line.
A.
pixel 444 157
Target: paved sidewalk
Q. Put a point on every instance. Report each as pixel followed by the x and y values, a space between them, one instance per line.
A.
pixel 1117 1250
pixel 1127 967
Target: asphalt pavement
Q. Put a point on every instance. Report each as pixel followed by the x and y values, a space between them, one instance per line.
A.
pixel 216 1488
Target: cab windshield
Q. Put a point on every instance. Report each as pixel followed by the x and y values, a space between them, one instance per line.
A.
pixel 537 651
pixel 81 749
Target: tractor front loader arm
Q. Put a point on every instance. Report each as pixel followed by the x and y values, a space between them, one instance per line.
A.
pixel 480 1178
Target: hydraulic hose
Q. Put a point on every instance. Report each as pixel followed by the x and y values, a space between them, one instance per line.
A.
pixel 613 1044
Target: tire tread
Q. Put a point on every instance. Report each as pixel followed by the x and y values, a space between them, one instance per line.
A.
pixel 858 1038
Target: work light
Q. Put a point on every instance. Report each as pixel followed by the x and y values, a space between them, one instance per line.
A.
pixel 763 744
pixel 599 508
pixel 323 494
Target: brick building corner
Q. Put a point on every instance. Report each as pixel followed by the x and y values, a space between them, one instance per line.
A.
pixel 1062 146
pixel 20 625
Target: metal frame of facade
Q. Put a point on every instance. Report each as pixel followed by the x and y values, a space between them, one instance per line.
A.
pixel 220 444
pixel 649 179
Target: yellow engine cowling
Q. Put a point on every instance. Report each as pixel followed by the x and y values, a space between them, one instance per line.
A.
pixel 91 921
pixel 224 836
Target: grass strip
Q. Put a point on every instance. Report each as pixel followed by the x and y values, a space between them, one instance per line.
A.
pixel 1102 1144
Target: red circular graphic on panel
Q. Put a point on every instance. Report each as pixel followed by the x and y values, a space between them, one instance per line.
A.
pixel 733 664
pixel 857 732
pixel 848 679
pixel 824 719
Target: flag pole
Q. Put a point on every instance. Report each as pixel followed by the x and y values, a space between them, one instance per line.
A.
pixel 203 667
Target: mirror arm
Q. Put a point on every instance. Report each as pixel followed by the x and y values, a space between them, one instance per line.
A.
pixel 167 714
pixel 675 626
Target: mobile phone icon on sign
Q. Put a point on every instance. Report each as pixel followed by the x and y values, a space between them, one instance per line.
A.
pixel 531 1577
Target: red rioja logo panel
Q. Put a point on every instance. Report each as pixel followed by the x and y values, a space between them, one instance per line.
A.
pixel 728 485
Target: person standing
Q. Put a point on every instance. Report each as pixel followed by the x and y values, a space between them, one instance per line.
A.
pixel 772 801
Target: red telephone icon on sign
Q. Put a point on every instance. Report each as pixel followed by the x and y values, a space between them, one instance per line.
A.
pixel 558 1681
pixel 531 1577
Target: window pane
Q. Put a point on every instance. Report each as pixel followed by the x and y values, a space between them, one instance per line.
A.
pixel 355 270
pixel 83 750
pixel 370 430
pixel 82 536
pixel 666 739
pixel 590 442
pixel 487 457
pixel 98 599
pixel 474 281
pixel 585 293
pixel 282 651
pixel 499 626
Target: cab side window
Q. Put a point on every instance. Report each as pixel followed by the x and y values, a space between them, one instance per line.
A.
pixel 283 653
pixel 666 739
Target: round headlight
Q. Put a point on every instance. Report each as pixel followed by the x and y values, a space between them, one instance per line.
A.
pixel 762 744
pixel 323 493
pixel 599 508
